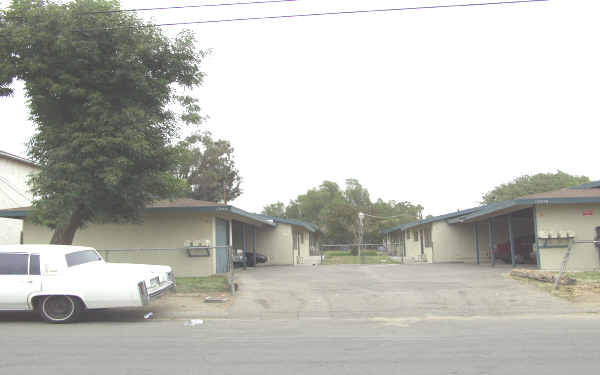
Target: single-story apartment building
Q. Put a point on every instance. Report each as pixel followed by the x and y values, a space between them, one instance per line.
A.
pixel 534 229
pixel 14 192
pixel 191 236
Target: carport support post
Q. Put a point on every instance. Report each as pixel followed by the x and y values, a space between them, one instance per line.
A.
pixel 244 240
pixel 535 234
pixel 476 239
pixel 422 244
pixel 511 237
pixel 492 254
pixel 254 244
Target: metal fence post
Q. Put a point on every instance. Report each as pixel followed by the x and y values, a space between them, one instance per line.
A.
pixel 563 265
pixel 231 270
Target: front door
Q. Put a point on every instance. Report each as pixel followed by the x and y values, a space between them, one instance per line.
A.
pixel 19 278
pixel 222 249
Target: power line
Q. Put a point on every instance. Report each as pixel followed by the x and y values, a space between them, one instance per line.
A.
pixel 190 6
pixel 109 11
pixel 347 12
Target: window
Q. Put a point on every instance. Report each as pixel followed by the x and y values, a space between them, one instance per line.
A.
pixel 34 264
pixel 295 240
pixel 407 234
pixel 416 235
pixel 301 237
pixel 81 257
pixel 427 237
pixel 13 264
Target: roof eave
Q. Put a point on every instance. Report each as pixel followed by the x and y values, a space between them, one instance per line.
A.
pixel 434 219
pixel 20 214
pixel 521 202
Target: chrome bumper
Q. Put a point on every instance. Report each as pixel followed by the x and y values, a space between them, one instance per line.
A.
pixel 157 294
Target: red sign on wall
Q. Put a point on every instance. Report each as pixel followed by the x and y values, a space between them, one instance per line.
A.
pixel 588 212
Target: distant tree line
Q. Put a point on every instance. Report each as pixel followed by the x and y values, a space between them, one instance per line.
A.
pixel 335 211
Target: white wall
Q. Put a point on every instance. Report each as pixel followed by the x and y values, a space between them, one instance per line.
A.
pixel 453 243
pixel 165 230
pixel 276 243
pixel 556 218
pixel 14 192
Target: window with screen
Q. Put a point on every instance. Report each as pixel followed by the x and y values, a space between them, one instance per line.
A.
pixel 427 237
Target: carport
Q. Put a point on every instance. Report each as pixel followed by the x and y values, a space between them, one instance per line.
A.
pixel 509 228
pixel 244 238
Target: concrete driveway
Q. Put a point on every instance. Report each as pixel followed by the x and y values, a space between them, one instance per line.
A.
pixel 421 290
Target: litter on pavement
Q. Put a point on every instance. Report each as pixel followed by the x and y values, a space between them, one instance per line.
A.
pixel 148 316
pixel 215 300
pixel 193 322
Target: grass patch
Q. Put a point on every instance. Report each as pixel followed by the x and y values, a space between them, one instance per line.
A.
pixel 347 253
pixel 201 284
pixel 586 289
pixel 348 259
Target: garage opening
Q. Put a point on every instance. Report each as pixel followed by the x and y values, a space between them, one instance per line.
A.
pixel 513 238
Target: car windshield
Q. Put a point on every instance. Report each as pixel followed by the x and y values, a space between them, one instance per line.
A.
pixel 81 257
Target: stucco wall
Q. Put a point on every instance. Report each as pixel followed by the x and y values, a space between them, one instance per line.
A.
pixel 413 248
pixel 304 250
pixel 276 243
pixel 14 192
pixel 556 218
pixel 165 230
pixel 453 243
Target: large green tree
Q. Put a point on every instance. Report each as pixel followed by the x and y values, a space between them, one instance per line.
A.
pixel 103 90
pixel 275 209
pixel 335 212
pixel 208 166
pixel 538 183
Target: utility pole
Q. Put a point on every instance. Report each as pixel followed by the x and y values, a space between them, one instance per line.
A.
pixel 361 218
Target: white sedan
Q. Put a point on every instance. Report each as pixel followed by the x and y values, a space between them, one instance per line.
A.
pixel 61 281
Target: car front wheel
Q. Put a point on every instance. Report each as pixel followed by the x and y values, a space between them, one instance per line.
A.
pixel 60 309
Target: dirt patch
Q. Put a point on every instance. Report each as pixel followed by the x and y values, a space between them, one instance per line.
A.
pixel 584 292
pixel 187 303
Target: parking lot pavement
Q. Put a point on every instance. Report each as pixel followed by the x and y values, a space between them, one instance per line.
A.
pixel 355 292
pixel 350 291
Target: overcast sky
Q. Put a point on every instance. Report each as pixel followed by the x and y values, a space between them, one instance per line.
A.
pixel 432 106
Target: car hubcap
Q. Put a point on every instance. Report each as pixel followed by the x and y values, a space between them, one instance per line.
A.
pixel 59 307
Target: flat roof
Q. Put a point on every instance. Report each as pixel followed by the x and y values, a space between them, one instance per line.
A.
pixel 593 184
pixel 574 195
pixel 586 193
pixel 306 225
pixel 188 205
pixel 430 220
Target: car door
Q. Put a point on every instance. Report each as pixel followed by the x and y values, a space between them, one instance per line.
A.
pixel 19 278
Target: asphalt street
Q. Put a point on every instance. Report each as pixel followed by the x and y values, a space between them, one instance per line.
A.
pixel 435 345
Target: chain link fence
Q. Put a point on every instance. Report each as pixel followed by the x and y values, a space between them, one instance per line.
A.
pixel 175 257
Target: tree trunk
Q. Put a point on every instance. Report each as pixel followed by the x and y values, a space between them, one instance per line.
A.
pixel 64 234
